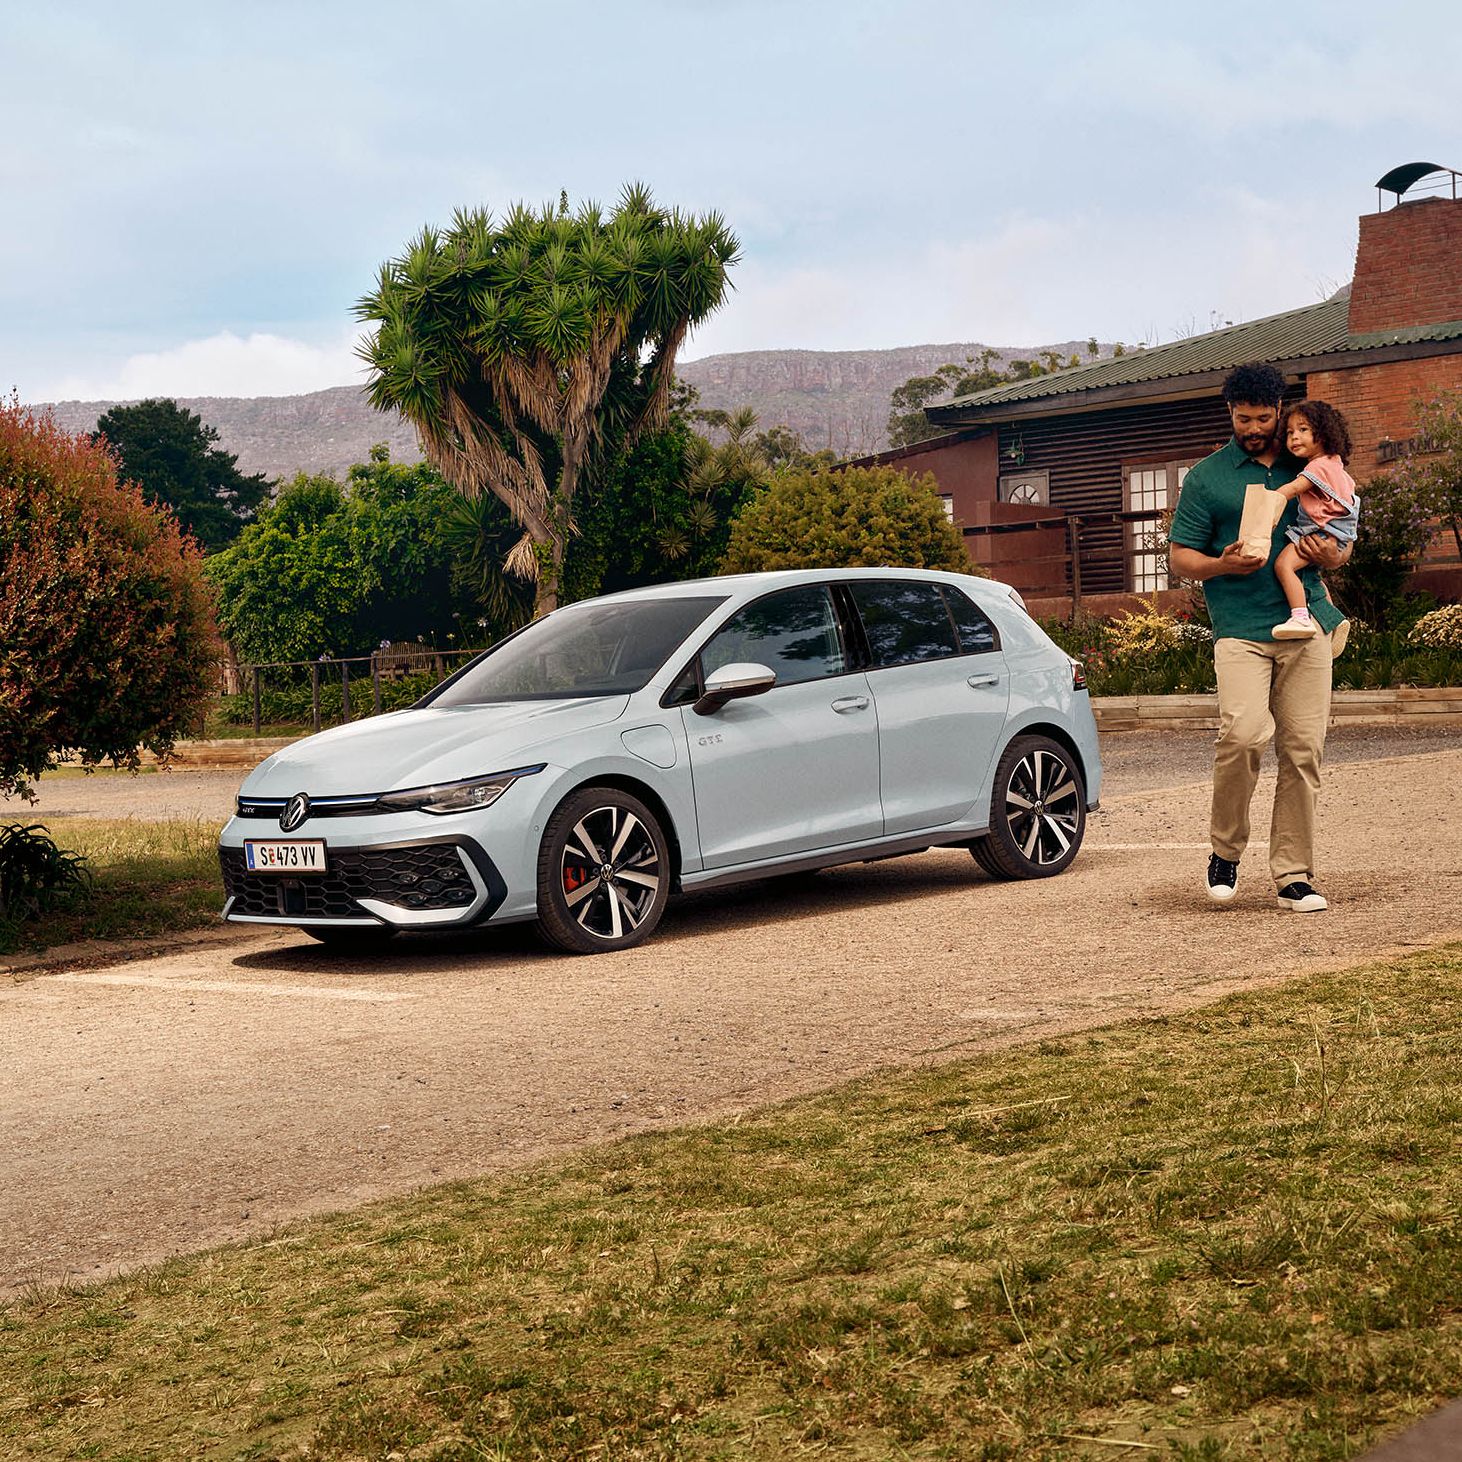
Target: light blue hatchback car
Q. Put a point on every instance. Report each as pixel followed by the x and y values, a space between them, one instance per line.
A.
pixel 616 751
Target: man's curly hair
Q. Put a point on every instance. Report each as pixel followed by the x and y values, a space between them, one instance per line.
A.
pixel 1326 424
pixel 1253 385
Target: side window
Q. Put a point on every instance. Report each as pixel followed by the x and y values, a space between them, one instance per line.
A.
pixel 794 633
pixel 905 621
pixel 976 634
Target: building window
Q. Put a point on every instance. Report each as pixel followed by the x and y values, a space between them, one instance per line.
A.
pixel 1150 487
pixel 947 499
pixel 1031 488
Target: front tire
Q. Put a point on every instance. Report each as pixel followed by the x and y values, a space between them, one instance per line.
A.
pixel 1037 811
pixel 603 872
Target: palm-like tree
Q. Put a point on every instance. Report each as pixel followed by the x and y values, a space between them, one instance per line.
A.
pixel 522 351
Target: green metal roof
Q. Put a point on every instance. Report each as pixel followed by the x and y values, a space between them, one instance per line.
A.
pixel 1315 330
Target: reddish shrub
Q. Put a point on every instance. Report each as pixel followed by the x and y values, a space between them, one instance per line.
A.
pixel 106 625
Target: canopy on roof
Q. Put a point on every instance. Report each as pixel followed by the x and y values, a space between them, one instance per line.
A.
pixel 1398 180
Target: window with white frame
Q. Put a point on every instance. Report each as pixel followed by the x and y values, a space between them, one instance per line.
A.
pixel 947 498
pixel 1150 487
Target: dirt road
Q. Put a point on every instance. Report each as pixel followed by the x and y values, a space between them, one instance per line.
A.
pixel 202 1096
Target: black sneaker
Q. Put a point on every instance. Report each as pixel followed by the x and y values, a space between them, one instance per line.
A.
pixel 1222 877
pixel 1300 898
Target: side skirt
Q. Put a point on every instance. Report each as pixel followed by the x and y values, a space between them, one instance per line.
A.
pixel 831 858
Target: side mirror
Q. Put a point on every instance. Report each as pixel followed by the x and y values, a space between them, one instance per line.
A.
pixel 733 682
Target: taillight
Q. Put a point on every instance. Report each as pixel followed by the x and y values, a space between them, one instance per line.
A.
pixel 1078 675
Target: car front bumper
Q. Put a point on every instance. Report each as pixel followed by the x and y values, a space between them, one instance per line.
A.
pixel 441 880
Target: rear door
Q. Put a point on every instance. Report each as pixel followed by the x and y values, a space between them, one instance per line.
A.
pixel 940 689
pixel 794 769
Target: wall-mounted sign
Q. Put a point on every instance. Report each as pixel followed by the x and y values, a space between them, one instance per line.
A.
pixel 1393 451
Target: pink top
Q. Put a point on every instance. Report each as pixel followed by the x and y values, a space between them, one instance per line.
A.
pixel 1333 493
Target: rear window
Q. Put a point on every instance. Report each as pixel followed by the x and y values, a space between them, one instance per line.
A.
pixel 905 621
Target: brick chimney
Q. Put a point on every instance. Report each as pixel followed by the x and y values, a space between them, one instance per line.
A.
pixel 1408 266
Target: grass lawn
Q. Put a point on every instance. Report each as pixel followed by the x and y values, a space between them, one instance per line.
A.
pixel 148 878
pixel 1235 1233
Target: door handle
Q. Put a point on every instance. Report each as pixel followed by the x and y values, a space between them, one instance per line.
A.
pixel 850 703
pixel 976 681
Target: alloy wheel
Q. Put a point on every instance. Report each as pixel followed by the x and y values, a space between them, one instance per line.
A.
pixel 610 872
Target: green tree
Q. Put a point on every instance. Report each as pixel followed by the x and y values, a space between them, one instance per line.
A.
pixel 527 352
pixel 291 588
pixel 1397 512
pixel 1436 466
pixel 107 642
pixel 174 457
pixel 665 508
pixel 336 568
pixel 861 516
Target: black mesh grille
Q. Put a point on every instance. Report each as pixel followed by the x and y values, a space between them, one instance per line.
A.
pixel 425 876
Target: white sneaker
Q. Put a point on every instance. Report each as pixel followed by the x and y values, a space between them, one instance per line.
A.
pixel 1339 638
pixel 1300 898
pixel 1294 629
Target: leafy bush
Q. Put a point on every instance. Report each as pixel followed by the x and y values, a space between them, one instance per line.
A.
pixel 290 705
pixel 1379 658
pixel 107 641
pixel 1149 653
pixel 34 874
pixel 1397 509
pixel 1439 630
pixel 875 517
pixel 1145 652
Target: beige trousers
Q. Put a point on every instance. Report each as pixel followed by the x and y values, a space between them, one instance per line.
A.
pixel 1279 689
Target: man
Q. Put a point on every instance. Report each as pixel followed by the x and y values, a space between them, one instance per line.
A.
pixel 1266 687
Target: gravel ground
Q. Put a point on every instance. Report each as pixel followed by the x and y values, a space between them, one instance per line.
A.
pixel 214 1092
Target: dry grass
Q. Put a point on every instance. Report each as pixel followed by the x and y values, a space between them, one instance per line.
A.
pixel 148 878
pixel 1230 1234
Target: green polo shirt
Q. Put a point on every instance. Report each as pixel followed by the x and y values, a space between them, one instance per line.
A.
pixel 1210 505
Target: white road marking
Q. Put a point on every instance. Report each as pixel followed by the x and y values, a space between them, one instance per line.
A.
pixel 233 987
pixel 1097 847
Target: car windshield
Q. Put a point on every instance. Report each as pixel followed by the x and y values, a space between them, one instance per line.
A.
pixel 592 649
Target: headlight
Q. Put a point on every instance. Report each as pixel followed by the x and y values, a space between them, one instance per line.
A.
pixel 445 797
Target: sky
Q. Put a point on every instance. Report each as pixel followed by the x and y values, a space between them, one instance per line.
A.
pixel 193 196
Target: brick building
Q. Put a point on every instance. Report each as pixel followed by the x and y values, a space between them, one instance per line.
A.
pixel 1058 480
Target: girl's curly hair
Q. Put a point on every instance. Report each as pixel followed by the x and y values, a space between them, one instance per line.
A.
pixel 1327 425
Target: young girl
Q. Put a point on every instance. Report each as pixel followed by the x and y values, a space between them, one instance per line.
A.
pixel 1316 432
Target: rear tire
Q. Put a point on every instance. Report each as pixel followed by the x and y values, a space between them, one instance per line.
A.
pixel 603 872
pixel 1037 811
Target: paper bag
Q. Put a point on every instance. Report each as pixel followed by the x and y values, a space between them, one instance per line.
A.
pixel 1262 510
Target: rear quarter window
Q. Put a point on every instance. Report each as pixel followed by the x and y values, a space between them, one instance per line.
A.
pixel 977 632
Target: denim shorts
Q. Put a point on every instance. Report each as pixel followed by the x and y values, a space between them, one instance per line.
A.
pixel 1342 530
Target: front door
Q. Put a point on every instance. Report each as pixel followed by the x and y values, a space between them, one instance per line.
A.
pixel 796 769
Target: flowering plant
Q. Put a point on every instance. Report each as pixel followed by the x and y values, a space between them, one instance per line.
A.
pixel 1439 630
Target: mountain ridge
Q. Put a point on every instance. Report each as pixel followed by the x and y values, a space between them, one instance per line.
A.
pixel 835 399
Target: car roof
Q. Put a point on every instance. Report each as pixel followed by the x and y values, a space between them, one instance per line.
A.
pixel 738 585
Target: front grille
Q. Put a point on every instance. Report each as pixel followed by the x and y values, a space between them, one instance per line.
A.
pixel 419 876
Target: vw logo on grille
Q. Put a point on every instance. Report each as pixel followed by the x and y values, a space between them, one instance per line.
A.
pixel 295 812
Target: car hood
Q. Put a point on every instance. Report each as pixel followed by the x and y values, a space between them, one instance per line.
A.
pixel 419 748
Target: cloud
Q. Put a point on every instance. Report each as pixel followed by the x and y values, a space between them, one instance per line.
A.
pixel 225 364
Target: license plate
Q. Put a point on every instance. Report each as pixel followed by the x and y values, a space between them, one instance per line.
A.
pixel 295 857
